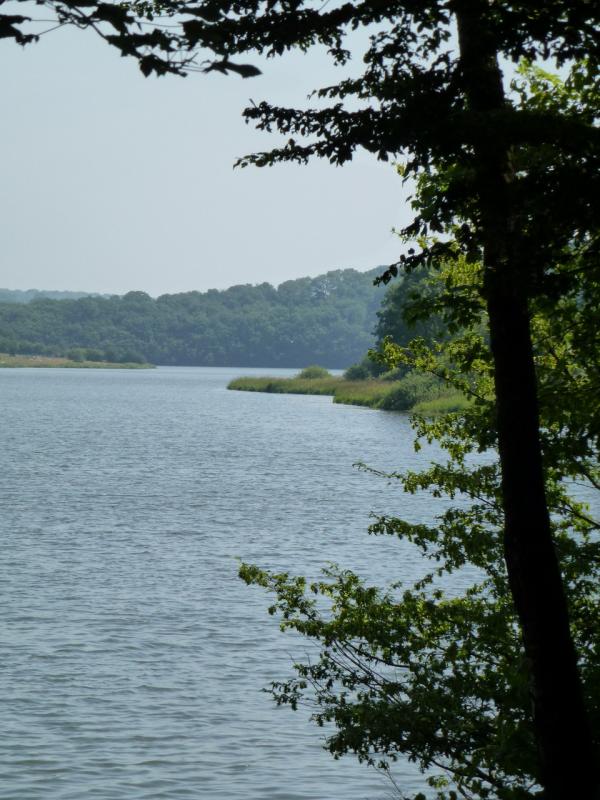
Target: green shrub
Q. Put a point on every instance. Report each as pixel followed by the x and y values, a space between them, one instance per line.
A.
pixel 313 373
pixel 412 389
pixel 76 354
pixel 357 372
pixel 92 354
pixel 395 374
pixel 365 369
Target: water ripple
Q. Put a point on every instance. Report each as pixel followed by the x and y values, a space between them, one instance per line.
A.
pixel 133 657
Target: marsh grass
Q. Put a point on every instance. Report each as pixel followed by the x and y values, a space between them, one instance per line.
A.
pixel 414 392
pixel 286 385
pixel 9 361
pixel 371 393
pixel 442 405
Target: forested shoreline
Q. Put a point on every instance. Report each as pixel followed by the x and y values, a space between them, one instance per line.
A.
pixel 328 319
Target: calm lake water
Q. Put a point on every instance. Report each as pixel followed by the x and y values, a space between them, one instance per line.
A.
pixel 133 657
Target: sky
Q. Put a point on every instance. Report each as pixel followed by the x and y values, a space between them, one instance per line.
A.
pixel 112 182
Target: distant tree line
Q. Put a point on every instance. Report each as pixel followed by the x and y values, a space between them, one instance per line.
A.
pixel 327 320
pixel 27 295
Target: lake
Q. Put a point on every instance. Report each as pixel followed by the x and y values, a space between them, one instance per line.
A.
pixel 133 656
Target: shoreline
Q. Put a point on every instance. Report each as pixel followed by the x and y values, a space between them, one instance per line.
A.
pixel 398 395
pixel 52 362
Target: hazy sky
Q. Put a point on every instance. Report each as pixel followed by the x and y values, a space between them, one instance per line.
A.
pixel 111 181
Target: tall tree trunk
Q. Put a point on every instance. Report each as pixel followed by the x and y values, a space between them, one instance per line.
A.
pixel 568 767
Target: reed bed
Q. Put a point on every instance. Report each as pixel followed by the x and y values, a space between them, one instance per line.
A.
pixel 417 393
pixel 8 361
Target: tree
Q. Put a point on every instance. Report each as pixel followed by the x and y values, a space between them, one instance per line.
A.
pixel 439 677
pixel 443 105
pixel 450 113
pixel 393 318
pixel 114 22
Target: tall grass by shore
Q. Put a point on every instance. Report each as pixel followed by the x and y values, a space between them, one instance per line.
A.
pixel 8 361
pixel 416 393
